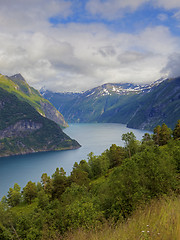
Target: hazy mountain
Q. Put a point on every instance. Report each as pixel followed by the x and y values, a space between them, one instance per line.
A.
pixel 138 106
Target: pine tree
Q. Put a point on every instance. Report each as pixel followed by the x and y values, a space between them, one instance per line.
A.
pixel 176 132
pixel 156 135
pixel 165 134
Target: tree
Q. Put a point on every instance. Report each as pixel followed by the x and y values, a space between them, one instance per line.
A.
pixel 98 165
pixel 131 143
pixel 47 183
pixel 116 155
pixel 176 132
pixel 14 195
pixel 162 135
pixel 43 199
pixel 147 139
pixel 30 192
pixel 59 182
pixel 84 166
pixel 165 134
pixel 79 177
pixel 156 135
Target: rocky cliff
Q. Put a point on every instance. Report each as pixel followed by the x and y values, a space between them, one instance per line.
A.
pixel 52 113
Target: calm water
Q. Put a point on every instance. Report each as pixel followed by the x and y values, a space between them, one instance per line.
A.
pixel 95 137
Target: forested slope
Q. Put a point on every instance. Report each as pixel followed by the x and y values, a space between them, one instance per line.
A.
pixel 103 191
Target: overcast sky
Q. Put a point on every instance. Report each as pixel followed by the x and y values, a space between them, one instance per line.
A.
pixel 74 45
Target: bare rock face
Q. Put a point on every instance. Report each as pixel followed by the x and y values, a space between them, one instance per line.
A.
pixel 53 114
pixel 19 129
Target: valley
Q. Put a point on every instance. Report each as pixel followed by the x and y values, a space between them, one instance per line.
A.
pixel 142 107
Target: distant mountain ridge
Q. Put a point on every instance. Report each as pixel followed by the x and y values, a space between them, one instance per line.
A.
pixel 138 106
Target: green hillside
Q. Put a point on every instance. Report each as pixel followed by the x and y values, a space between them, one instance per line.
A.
pixel 19 87
pixel 161 105
pixel 24 130
pixel 128 193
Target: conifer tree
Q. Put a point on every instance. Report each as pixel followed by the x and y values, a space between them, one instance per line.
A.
pixel 14 195
pixel 30 192
pixel 176 132
pixel 165 134
pixel 156 135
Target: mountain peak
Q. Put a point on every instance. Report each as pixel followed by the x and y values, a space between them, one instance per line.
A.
pixel 17 76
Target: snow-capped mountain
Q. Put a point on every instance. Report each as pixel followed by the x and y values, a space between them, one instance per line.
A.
pixel 121 89
pixel 138 106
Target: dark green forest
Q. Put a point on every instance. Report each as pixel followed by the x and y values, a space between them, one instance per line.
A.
pixel 109 187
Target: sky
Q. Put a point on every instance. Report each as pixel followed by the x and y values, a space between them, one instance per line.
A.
pixel 73 45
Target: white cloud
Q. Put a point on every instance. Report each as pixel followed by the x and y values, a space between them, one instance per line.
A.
pixel 30 15
pixel 112 9
pixel 172 68
pixel 74 56
pixel 77 57
pixel 167 4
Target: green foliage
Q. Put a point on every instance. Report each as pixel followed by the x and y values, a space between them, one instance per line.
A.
pixel 165 134
pixel 14 195
pixel 176 132
pixel 60 183
pixel 131 143
pixel 43 199
pixel 47 183
pixel 109 187
pixel 116 155
pixel 80 208
pixel 23 91
pixel 30 192
pixel 162 134
pixel 79 177
pixel 98 165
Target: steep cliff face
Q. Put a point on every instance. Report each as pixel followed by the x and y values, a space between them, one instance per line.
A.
pixel 53 114
pixel 20 129
pixel 17 85
pixel 24 130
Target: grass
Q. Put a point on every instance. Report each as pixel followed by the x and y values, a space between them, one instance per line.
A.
pixel 160 220
pixel 33 97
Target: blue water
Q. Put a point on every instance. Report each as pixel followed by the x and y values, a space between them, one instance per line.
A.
pixel 94 137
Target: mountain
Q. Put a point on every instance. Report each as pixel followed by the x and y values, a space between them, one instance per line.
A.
pixel 23 129
pixel 160 105
pixel 17 85
pixel 138 106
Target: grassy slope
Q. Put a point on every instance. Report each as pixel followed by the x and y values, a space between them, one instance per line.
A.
pixel 158 221
pixel 24 92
